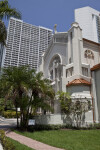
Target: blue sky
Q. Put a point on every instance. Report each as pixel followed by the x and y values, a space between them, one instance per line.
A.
pixel 46 13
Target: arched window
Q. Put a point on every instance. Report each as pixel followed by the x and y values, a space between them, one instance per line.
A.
pixel 55 60
pixel 54 66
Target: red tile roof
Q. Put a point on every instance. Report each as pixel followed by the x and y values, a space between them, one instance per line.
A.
pixel 78 82
pixel 95 67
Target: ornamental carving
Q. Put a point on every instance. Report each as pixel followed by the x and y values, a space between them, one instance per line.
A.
pixel 89 54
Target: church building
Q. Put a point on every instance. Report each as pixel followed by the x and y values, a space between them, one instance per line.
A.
pixel 72 63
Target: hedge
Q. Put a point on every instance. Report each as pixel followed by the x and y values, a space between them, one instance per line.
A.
pixel 10 114
pixel 57 127
pixel 7 145
pixel 48 127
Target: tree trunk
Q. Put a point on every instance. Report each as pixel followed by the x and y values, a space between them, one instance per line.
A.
pixel 21 118
pixel 17 118
pixel 27 115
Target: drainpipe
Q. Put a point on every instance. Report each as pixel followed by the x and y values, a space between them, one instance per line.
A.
pixel 92 99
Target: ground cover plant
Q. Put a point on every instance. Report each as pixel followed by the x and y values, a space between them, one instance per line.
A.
pixel 7 145
pixel 19 146
pixel 68 139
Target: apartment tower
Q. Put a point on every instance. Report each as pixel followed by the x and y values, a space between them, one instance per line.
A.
pixel 89 20
pixel 25 44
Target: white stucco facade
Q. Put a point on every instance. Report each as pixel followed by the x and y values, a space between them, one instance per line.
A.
pixel 89 20
pixel 67 64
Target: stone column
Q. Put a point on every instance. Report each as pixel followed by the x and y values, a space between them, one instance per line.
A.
pixel 53 70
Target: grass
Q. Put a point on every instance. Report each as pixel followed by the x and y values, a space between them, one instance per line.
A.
pixel 68 139
pixel 19 146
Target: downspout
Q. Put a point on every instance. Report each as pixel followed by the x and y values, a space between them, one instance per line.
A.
pixel 92 98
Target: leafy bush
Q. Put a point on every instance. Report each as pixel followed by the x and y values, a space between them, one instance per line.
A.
pixel 89 127
pixel 10 114
pixel 97 125
pixel 94 126
pixel 1 105
pixel 7 145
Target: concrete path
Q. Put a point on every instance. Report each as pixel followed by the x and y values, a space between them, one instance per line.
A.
pixel 7 123
pixel 30 142
pixel 1 148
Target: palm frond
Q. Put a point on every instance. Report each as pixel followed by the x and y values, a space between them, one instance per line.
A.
pixel 6 11
pixel 3 33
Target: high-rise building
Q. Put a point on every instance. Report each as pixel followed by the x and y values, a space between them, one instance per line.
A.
pixel 25 44
pixel 89 20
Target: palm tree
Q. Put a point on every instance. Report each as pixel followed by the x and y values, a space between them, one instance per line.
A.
pixel 42 92
pixel 41 95
pixel 5 13
pixel 3 33
pixel 14 86
pixel 27 89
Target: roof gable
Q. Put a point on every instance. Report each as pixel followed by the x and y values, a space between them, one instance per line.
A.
pixel 78 82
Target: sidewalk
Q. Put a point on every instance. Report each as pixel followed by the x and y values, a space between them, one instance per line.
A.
pixel 1 148
pixel 30 142
pixel 7 123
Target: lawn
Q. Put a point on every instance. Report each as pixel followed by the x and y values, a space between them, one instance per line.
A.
pixel 68 139
pixel 19 146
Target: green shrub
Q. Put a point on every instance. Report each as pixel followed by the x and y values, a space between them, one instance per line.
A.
pixel 97 125
pixel 7 145
pixel 94 126
pixel 1 105
pixel 10 114
pixel 48 127
pixel 57 127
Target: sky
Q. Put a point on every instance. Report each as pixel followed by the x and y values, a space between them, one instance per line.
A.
pixel 46 13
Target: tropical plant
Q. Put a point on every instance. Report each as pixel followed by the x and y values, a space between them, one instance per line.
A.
pixel 65 102
pixel 3 33
pixel 14 85
pixel 5 13
pixel 42 91
pixel 2 105
pixel 27 89
pixel 79 108
pixel 7 145
pixel 75 108
pixel 41 96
